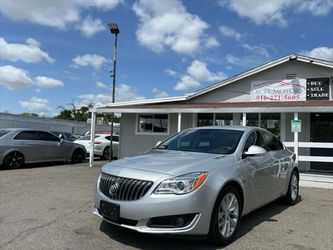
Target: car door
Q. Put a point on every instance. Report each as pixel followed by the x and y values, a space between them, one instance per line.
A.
pixel 281 162
pixel 29 144
pixel 54 149
pixel 259 169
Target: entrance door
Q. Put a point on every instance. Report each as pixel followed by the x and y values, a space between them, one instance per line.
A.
pixel 321 131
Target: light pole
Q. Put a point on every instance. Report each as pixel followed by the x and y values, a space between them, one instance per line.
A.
pixel 114 30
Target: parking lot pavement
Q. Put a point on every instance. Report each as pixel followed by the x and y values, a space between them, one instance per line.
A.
pixel 50 208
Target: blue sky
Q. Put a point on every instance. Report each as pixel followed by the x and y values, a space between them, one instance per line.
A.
pixel 54 52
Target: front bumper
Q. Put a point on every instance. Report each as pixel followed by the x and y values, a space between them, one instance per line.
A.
pixel 145 229
pixel 199 202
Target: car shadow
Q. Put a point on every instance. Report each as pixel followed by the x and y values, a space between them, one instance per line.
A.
pixel 263 214
pixel 149 241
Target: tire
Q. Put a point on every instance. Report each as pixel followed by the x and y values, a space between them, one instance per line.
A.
pixel 106 153
pixel 293 189
pixel 78 156
pixel 226 216
pixel 13 160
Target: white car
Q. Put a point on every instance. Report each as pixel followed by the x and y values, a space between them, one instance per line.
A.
pixel 102 145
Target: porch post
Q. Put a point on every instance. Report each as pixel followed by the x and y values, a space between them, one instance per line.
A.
pixel 92 138
pixel 244 119
pixel 179 122
pixel 296 140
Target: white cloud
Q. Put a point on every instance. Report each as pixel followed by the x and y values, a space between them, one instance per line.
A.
pixel 95 61
pixel 197 73
pixel 14 78
pixel 229 32
pixel 211 42
pixel 316 7
pixel 36 105
pixel 101 85
pixel 320 53
pixel 123 93
pixel 28 53
pixel 275 12
pixel 167 24
pixel 159 94
pixel 60 14
pixel 259 50
pixel 90 27
pixel 47 82
pixel 187 82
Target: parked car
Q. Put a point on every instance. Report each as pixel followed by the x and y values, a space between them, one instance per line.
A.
pixel 102 145
pixel 20 146
pixel 65 135
pixel 200 181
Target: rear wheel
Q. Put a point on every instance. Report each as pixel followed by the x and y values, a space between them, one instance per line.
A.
pixel 13 160
pixel 226 216
pixel 106 153
pixel 78 156
pixel 293 189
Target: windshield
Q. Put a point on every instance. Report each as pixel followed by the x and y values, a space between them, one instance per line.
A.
pixel 3 132
pixel 215 141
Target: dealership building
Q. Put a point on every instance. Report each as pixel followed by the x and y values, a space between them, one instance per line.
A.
pixel 292 97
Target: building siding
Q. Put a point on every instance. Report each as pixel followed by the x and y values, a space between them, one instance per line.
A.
pixel 240 91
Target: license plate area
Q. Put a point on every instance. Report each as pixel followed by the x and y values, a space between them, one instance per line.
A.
pixel 110 211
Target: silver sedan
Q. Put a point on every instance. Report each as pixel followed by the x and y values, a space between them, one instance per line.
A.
pixel 200 181
pixel 20 146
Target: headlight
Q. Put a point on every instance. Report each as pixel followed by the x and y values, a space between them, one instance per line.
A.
pixel 182 184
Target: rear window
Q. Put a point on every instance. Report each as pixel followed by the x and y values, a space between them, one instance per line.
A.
pixel 26 135
pixel 3 132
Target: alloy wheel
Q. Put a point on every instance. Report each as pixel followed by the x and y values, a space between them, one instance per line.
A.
pixel 294 187
pixel 228 215
pixel 14 160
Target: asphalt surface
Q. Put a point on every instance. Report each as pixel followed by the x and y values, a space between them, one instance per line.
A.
pixel 49 207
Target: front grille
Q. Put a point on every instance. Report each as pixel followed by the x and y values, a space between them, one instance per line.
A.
pixel 126 190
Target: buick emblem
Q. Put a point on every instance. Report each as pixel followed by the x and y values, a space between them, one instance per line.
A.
pixel 114 187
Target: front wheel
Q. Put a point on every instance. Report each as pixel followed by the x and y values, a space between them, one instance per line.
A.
pixel 226 216
pixel 293 189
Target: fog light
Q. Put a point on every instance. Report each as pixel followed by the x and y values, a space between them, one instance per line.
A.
pixel 179 221
pixel 172 221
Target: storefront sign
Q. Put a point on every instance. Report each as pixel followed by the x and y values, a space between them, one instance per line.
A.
pixel 296 126
pixel 279 90
pixel 317 89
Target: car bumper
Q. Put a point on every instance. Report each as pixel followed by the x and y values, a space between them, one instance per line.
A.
pixel 200 202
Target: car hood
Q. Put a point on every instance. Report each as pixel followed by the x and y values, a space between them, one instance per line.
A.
pixel 170 162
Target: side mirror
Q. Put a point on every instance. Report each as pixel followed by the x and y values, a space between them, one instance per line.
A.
pixel 61 140
pixel 255 150
pixel 157 144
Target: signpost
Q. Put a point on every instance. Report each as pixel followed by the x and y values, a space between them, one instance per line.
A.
pixel 296 126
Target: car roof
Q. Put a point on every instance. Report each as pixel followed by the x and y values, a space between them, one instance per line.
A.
pixel 231 127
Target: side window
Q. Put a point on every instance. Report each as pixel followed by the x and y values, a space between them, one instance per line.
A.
pixel 272 142
pixel 250 141
pixel 45 136
pixel 26 135
pixel 255 138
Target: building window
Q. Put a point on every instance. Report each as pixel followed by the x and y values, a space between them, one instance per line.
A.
pixel 271 122
pixel 153 123
pixel 223 119
pixel 205 119
pixel 252 119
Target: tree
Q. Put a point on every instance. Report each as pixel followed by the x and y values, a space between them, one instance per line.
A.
pixel 82 114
